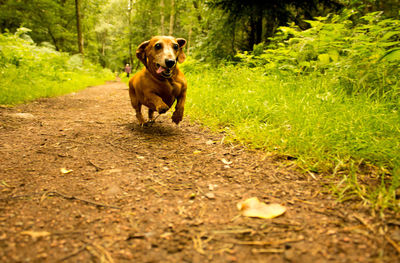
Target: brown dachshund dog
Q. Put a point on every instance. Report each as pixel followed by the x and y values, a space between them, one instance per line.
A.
pixel 160 82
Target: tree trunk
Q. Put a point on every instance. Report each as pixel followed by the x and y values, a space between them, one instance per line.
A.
pixel 172 18
pixel 79 27
pixel 252 33
pixel 130 31
pixel 259 26
pixel 53 38
pixel 233 35
pixel 189 40
pixel 103 45
pixel 255 28
pixel 162 5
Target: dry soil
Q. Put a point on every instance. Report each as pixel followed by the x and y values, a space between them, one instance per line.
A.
pixel 80 181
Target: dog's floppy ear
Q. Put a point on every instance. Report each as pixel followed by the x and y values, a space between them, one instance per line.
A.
pixel 181 55
pixel 141 52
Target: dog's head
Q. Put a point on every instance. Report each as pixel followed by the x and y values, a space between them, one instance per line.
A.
pixel 161 53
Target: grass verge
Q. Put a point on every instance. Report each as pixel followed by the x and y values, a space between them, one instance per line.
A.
pixel 17 87
pixel 353 138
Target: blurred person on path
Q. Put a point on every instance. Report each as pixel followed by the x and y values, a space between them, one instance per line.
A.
pixel 128 70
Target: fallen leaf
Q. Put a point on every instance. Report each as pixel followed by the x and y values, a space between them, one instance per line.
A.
pixel 209 142
pixel 210 195
pixel 225 161
pixel 211 187
pixel 252 207
pixel 23 115
pixel 36 234
pixel 65 171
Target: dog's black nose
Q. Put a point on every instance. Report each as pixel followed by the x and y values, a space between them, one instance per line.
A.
pixel 169 63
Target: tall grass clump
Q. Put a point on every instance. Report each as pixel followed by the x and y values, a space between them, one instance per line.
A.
pixel 327 96
pixel 28 71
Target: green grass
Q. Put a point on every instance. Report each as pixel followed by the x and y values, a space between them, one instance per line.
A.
pixel 28 71
pixel 308 117
pixel 19 87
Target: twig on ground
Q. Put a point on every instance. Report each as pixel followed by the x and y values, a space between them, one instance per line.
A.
pixel 365 223
pixel 393 243
pixel 235 217
pixel 80 199
pixel 18 197
pixel 197 245
pixel 95 250
pixel 98 168
pixel 73 254
pixel 267 250
pixel 312 175
pixel 234 231
pixel 263 243
pixel 2 182
pixel 99 252
pixel 155 190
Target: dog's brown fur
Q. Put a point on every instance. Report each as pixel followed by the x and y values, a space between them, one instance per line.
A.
pixel 157 85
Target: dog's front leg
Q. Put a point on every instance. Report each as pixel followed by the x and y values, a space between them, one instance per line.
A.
pixel 155 103
pixel 179 108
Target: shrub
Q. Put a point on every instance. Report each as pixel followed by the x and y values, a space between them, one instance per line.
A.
pixel 28 71
pixel 363 56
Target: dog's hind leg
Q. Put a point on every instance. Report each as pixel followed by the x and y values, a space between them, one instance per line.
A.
pixel 136 105
pixel 179 108
pixel 139 116
pixel 151 115
pixel 138 108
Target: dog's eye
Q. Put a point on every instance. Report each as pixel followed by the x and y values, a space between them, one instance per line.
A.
pixel 175 46
pixel 157 46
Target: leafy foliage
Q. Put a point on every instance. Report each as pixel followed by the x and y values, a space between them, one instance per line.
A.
pixel 362 56
pixel 266 16
pixel 28 71
pixel 52 21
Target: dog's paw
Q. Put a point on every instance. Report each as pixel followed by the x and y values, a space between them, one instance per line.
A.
pixel 141 121
pixel 148 123
pixel 162 109
pixel 177 117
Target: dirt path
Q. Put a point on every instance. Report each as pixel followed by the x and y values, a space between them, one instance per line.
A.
pixel 163 193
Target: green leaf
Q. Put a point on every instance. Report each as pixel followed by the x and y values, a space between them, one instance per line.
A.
pixel 391 55
pixel 334 55
pixel 324 59
pixel 388 44
pixel 389 35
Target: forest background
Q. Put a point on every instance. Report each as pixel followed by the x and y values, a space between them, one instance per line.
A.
pixel 215 29
pixel 314 81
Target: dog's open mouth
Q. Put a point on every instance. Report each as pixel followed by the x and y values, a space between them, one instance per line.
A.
pixel 165 72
